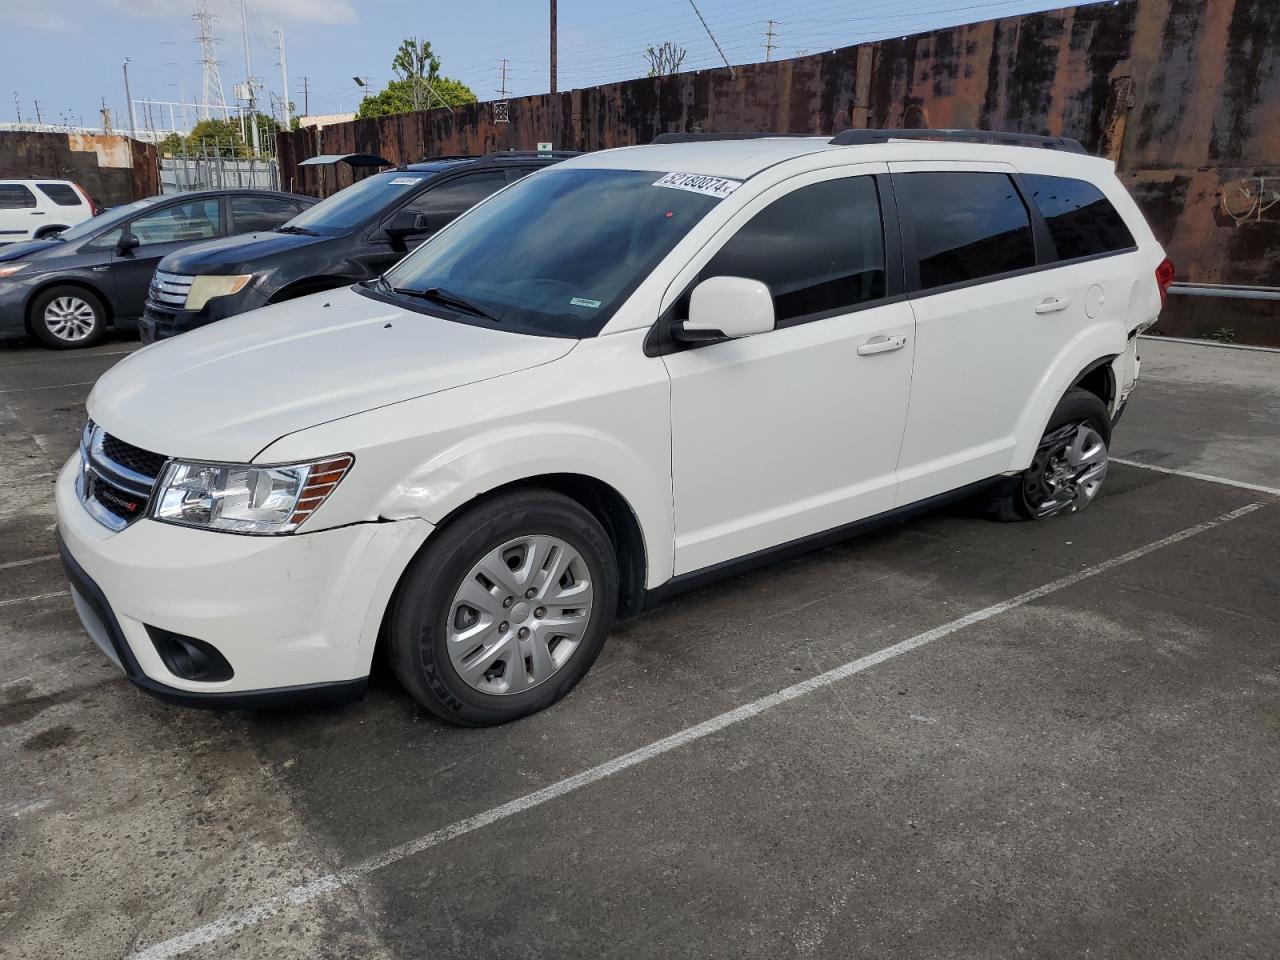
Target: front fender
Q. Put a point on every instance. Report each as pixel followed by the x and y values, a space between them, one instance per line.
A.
pixel 494 458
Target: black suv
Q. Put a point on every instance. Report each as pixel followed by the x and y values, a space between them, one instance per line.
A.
pixel 354 235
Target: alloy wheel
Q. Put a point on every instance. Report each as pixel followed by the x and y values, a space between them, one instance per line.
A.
pixel 70 318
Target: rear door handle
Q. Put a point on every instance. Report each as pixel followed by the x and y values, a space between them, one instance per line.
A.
pixel 1053 305
pixel 881 345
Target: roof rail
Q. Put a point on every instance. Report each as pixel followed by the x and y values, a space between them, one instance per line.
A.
pixel 503 155
pixel 850 138
pixel 699 137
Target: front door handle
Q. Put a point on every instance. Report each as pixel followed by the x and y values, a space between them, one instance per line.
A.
pixel 881 345
pixel 1053 305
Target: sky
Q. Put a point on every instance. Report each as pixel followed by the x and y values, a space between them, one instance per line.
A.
pixel 68 54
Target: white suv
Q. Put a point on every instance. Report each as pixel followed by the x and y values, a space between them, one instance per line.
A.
pixel 35 209
pixel 615 378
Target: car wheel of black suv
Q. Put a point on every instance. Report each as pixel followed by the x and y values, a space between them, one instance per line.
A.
pixel 505 609
pixel 1069 465
pixel 68 317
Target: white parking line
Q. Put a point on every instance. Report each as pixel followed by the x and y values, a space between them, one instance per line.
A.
pixel 9 565
pixel 38 596
pixel 304 893
pixel 1256 487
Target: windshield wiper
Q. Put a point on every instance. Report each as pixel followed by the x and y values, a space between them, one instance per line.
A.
pixel 443 296
pixel 288 228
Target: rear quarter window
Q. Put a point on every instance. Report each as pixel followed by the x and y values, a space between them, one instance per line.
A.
pixel 1081 220
pixel 60 193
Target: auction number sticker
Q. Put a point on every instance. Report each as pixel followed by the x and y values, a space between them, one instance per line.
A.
pixel 405 181
pixel 698 183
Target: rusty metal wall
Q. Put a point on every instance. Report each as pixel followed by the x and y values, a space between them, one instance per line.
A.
pixel 113 169
pixel 1183 94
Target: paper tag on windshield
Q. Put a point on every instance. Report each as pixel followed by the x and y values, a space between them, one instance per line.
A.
pixel 698 183
pixel 584 302
pixel 404 181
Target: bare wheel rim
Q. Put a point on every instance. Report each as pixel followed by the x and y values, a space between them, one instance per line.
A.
pixel 1067 472
pixel 519 615
pixel 70 318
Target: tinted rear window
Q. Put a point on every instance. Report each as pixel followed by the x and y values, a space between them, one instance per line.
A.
pixel 61 194
pixel 819 249
pixel 966 225
pixel 1082 221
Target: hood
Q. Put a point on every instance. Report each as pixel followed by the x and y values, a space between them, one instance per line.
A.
pixel 239 254
pixel 226 391
pixel 29 248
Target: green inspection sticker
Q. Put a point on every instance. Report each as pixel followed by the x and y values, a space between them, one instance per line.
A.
pixel 580 302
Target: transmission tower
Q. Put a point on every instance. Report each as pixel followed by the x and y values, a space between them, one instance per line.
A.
pixel 211 81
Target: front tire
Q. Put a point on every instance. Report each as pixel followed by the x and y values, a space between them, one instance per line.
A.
pixel 505 610
pixel 68 318
pixel 1069 465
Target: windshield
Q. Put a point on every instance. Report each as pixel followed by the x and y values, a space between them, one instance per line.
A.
pixel 355 204
pixel 558 252
pixel 105 221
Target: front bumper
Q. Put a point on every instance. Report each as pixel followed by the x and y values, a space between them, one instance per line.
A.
pixel 160 322
pixel 14 295
pixel 295 616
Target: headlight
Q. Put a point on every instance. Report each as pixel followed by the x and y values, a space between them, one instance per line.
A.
pixel 204 289
pixel 9 269
pixel 246 499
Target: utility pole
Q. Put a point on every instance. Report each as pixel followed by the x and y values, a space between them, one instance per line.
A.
pixel 133 125
pixel 106 117
pixel 284 84
pixel 17 106
pixel 503 92
pixel 769 45
pixel 306 96
pixel 553 46
pixel 248 78
pixel 39 119
pixel 732 74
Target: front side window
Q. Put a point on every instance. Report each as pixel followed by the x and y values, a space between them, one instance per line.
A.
pixel 1081 220
pixel 819 249
pixel 967 226
pixel 14 196
pixel 453 198
pixel 254 214
pixel 194 220
pixel 558 253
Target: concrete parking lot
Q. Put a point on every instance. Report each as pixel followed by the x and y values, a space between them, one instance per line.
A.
pixel 953 738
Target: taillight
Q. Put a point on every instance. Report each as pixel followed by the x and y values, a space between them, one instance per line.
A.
pixel 1164 279
pixel 94 209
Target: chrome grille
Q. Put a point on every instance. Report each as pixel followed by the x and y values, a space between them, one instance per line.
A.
pixel 169 289
pixel 116 478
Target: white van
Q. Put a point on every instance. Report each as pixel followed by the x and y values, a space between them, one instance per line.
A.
pixel 620 376
pixel 35 209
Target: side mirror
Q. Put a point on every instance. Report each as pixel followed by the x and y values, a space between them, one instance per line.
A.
pixel 128 243
pixel 723 307
pixel 407 222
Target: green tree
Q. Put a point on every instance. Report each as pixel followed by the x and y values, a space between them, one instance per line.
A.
pixel 217 137
pixel 398 97
pixel 419 85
